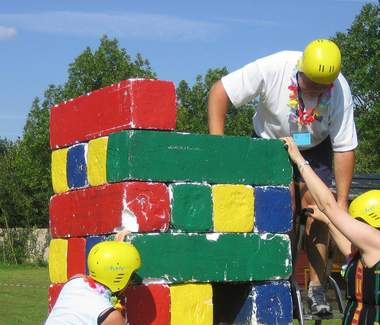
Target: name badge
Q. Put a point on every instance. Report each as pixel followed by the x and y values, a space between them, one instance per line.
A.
pixel 302 138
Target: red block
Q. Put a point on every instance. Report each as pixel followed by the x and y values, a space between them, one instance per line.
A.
pixel 53 293
pixel 130 104
pixel 76 256
pixel 148 305
pixel 140 206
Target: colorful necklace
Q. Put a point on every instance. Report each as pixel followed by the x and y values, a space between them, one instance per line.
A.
pixel 114 300
pixel 298 113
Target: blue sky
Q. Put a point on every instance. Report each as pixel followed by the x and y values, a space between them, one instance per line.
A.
pixel 181 39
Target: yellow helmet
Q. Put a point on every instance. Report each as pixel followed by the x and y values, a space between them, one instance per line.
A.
pixel 321 61
pixel 112 262
pixel 367 207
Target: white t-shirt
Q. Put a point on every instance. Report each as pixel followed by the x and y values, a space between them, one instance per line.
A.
pixel 79 304
pixel 268 80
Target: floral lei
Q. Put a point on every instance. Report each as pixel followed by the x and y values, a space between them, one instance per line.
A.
pixel 301 115
pixel 114 300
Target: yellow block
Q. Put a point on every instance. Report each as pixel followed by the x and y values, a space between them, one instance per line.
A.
pixel 233 208
pixel 191 304
pixel 58 260
pixel 96 161
pixel 59 170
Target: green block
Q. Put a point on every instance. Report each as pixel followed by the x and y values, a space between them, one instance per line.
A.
pixel 171 156
pixel 191 207
pixel 215 257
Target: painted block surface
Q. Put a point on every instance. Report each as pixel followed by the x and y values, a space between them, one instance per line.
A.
pixel 137 104
pixel 233 208
pixel 58 260
pixel 91 241
pixel 191 304
pixel 178 257
pixel 76 256
pixel 59 170
pixel 138 206
pixel 77 166
pixel 171 156
pixel 53 293
pixel 148 304
pixel 191 207
pixel 273 303
pixel 273 210
pixel 96 161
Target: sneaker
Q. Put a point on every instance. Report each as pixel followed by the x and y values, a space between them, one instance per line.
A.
pixel 317 301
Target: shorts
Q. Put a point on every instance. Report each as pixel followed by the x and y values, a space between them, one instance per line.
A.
pixel 319 158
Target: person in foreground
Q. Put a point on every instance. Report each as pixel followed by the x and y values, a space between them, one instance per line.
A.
pixel 303 95
pixel 93 299
pixel 357 236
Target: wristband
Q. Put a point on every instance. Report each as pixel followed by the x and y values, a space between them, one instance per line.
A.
pixel 301 165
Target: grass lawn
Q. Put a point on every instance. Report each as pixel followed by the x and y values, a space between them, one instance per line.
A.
pixel 23 294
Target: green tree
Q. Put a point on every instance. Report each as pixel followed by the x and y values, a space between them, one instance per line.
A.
pixel 107 65
pixel 25 181
pixel 360 47
pixel 192 107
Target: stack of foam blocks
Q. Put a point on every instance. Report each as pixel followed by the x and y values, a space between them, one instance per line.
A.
pixel 208 214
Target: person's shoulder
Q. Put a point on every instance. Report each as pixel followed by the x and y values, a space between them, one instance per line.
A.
pixel 284 55
pixel 280 58
pixel 341 85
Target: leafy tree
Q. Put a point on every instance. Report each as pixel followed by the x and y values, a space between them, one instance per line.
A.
pixel 192 107
pixel 368 156
pixel 25 185
pixel 360 47
pixel 107 65
pixel 25 175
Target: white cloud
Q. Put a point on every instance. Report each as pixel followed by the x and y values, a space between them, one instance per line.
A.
pixel 121 25
pixel 7 33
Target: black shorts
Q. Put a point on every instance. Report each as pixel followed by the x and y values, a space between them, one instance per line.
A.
pixel 320 159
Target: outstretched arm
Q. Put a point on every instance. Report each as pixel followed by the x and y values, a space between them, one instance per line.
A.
pixel 218 102
pixel 341 241
pixel 363 236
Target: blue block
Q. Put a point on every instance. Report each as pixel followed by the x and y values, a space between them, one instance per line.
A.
pixel 90 242
pixel 273 209
pixel 273 303
pixel 246 311
pixel 76 166
pixel 267 303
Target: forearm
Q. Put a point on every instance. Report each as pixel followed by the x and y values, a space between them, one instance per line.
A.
pixel 361 235
pixel 341 241
pixel 218 102
pixel 343 169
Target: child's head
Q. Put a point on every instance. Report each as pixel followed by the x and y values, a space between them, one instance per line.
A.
pixel 111 263
pixel 366 207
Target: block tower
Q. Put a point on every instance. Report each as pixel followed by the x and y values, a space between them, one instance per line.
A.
pixel 209 214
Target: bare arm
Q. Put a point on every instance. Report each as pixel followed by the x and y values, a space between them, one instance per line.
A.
pixel 218 102
pixel 343 169
pixel 363 236
pixel 341 241
pixel 115 318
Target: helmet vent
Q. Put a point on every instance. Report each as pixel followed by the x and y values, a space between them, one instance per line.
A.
pixel 332 68
pixel 321 68
pixel 374 215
